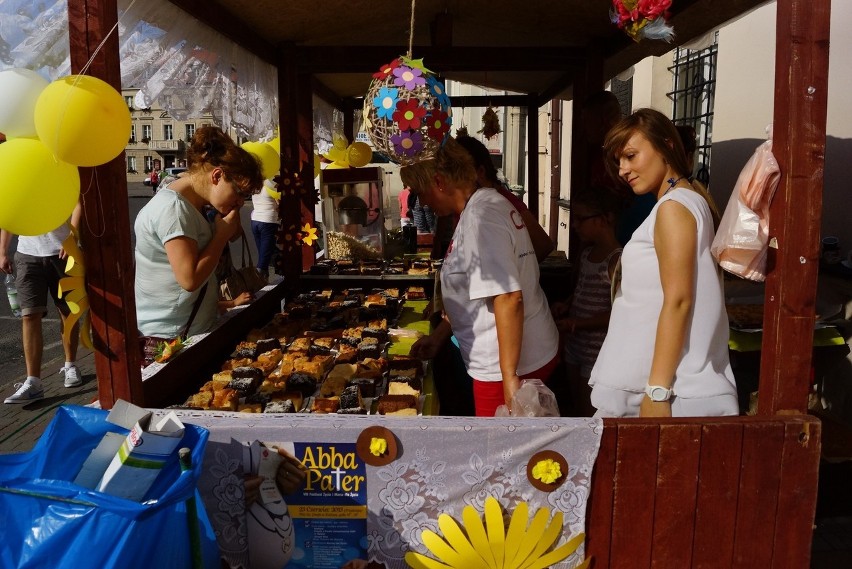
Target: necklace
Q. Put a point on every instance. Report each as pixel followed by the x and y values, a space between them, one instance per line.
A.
pixel 672 183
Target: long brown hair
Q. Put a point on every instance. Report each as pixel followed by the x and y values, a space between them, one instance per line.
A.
pixel 661 132
pixel 212 148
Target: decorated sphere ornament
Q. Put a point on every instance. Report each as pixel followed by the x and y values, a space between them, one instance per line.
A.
pixel 407 111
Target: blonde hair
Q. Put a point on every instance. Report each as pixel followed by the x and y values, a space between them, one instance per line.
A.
pixel 452 161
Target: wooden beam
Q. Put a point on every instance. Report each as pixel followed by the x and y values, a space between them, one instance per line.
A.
pixel 532 155
pixel 490 101
pixel 322 91
pixel 801 101
pixel 289 208
pixel 339 59
pixel 229 25
pixel 105 229
pixel 555 169
pixel 557 87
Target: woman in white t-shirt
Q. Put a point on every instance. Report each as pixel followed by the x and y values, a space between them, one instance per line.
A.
pixel 489 280
pixel 666 349
pixel 264 227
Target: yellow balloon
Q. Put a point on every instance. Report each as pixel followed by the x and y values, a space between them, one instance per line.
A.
pixel 360 154
pixel 82 120
pixel 317 165
pixel 276 144
pixel 41 191
pixel 269 158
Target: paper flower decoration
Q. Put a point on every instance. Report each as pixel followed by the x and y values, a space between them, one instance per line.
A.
pixel 309 234
pixel 73 287
pixel 547 471
pixel 405 111
pixel 643 19
pixel 491 545
pixel 378 446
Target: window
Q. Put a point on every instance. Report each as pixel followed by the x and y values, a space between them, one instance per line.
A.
pixel 146 133
pixel 190 131
pixel 129 101
pixel 131 164
pixel 693 98
pixel 149 163
pixel 133 134
pixel 168 132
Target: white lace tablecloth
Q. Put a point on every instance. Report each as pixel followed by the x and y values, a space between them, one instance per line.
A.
pixel 444 464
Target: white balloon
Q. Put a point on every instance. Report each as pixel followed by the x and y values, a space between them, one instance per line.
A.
pixel 19 91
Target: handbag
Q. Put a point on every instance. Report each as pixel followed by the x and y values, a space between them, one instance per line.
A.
pixel 149 345
pixel 243 279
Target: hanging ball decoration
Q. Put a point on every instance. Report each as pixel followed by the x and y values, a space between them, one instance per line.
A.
pixel 83 120
pixel 41 191
pixel 407 111
pixel 19 91
pixel 269 158
pixel 359 154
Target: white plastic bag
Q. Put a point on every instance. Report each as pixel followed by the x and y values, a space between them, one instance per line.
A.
pixel 743 235
pixel 533 399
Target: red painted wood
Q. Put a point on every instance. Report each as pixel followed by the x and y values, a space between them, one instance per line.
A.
pixel 801 98
pixel 599 508
pixel 796 495
pixel 757 505
pixel 718 491
pixel 675 495
pixel 105 229
pixel 633 495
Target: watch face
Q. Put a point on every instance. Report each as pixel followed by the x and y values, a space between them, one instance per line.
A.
pixel 658 394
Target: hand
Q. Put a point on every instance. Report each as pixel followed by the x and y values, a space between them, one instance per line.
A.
pixel 291 473
pixel 650 408
pixel 511 384
pixel 6 264
pixel 229 224
pixel 252 485
pixel 425 348
pixel 243 298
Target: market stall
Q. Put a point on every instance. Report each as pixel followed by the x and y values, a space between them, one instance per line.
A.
pixel 729 493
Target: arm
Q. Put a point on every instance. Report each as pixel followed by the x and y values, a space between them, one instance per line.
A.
pixel 542 245
pixel 192 267
pixel 5 260
pixel 675 238
pixel 427 347
pixel 509 317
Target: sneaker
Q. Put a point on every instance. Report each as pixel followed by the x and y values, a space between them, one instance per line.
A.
pixel 72 376
pixel 25 393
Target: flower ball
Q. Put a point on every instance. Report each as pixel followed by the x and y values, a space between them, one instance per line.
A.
pixel 407 112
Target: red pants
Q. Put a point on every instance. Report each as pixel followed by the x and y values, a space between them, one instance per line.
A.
pixel 488 395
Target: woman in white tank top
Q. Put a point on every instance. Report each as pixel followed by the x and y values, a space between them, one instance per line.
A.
pixel 666 351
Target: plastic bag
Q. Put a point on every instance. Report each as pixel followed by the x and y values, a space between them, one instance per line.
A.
pixel 533 399
pixel 48 521
pixel 741 241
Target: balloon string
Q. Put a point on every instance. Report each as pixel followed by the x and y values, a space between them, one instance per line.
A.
pixel 410 29
pixel 94 184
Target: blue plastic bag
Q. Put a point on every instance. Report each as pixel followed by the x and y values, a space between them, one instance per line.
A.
pixel 48 521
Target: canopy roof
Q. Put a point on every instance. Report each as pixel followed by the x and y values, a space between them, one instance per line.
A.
pixel 529 46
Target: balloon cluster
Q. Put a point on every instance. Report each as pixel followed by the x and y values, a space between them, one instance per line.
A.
pixel 407 111
pixel 52 128
pixel 344 155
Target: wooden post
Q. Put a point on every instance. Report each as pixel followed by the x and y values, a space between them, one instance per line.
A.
pixel 289 210
pixel 555 167
pixel 105 228
pixel 801 95
pixel 532 154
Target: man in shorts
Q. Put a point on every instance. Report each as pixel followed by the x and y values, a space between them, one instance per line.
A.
pixel 39 263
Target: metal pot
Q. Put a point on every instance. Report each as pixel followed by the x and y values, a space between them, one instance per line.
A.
pixel 352 210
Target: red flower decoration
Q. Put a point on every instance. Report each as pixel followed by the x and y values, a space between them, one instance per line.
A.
pixel 386 70
pixel 437 124
pixel 408 114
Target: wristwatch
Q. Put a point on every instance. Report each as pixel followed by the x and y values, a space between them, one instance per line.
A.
pixel 658 393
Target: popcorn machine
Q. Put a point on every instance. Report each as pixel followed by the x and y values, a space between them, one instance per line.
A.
pixel 353 204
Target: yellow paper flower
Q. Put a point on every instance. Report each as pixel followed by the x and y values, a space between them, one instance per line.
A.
pixel 491 545
pixel 309 234
pixel 378 446
pixel 547 471
pixel 73 287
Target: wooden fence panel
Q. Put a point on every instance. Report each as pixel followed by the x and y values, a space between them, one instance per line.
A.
pixel 675 496
pixel 633 495
pixel 599 514
pixel 718 490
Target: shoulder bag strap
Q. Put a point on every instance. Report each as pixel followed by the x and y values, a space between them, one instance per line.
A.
pixel 195 306
pixel 246 252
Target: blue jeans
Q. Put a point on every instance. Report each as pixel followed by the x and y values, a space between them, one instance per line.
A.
pixel 264 238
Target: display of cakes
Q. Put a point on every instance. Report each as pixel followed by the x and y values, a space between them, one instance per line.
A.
pixel 376 267
pixel 326 352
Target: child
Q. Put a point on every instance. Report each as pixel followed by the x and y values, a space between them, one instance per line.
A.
pixel 584 317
